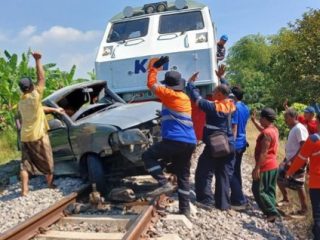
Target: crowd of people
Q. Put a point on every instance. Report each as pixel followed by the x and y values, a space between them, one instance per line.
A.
pixel 224 136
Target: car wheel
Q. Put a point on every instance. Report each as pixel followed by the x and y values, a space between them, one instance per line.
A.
pixel 96 172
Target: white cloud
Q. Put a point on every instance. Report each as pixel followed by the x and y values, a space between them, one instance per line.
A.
pixel 28 31
pixel 64 46
pixel 59 34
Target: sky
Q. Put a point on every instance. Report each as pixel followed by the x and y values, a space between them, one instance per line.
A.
pixel 69 32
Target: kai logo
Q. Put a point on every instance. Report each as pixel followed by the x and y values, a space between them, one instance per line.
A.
pixel 141 66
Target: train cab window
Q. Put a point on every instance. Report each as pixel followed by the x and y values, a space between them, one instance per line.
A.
pixel 183 22
pixel 122 31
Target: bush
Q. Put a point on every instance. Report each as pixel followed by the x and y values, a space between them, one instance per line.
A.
pixel 8 145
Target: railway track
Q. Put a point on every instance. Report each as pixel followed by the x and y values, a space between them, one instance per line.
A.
pixel 132 225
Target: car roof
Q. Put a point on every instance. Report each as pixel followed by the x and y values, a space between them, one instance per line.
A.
pixel 59 94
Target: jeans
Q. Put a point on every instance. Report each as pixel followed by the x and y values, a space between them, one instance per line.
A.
pixel 315 202
pixel 237 196
pixel 222 168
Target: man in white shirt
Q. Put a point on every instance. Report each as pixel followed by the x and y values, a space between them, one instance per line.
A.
pixel 297 136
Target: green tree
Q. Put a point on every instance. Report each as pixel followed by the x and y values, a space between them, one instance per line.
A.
pixel 295 63
pixel 249 66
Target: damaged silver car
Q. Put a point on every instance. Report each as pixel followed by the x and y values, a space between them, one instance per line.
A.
pixel 100 133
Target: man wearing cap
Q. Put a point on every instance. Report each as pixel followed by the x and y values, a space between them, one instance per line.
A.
pixel 178 137
pixel 218 121
pixel 35 145
pixel 221 51
pixel 308 119
pixel 264 174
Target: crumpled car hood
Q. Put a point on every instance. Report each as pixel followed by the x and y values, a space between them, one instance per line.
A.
pixel 125 116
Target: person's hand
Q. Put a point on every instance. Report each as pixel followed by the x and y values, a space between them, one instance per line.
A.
pixel 194 77
pixel 36 55
pixel 221 70
pixel 158 62
pixel 162 61
pixel 253 115
pixel 285 104
pixel 256 173
pixel 59 110
pixel 151 63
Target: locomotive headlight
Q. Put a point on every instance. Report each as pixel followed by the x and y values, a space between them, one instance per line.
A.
pixel 161 7
pixel 107 51
pixel 155 7
pixel 202 37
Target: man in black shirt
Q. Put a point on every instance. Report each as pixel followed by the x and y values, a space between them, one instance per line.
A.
pixel 221 51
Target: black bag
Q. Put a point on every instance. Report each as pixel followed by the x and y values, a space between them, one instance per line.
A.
pixel 219 145
pixel 219 142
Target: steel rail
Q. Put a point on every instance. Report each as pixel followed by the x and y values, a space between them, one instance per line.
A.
pixel 141 224
pixel 43 219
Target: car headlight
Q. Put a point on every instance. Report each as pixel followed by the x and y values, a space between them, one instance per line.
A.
pixel 128 137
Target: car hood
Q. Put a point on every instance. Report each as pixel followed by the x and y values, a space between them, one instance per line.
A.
pixel 125 116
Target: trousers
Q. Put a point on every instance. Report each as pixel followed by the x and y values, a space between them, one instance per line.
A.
pixel 178 154
pixel 222 168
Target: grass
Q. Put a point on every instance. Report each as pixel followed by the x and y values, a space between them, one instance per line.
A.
pixel 8 146
pixel 252 134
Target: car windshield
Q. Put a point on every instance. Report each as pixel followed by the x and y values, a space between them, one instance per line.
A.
pixel 127 30
pixel 181 22
pixel 87 100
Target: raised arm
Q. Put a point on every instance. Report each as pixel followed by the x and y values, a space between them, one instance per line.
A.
pixel 40 71
pixel 254 121
pixel 195 96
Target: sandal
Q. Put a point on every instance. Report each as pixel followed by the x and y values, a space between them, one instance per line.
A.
pixel 282 203
pixel 299 214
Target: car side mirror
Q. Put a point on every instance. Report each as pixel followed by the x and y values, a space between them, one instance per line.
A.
pixel 56 124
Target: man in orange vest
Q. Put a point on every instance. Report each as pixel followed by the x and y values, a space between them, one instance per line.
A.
pixel 310 152
pixel 178 137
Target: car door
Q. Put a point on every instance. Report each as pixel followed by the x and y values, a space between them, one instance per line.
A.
pixel 64 159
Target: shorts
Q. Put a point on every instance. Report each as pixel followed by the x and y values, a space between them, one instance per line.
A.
pixel 295 182
pixel 37 156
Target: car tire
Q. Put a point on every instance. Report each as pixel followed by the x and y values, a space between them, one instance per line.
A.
pixel 96 172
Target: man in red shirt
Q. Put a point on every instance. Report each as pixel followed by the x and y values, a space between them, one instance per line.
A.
pixel 265 172
pixel 308 117
pixel 308 120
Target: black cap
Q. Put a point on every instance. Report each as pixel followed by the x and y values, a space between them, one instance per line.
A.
pixel 25 84
pixel 269 114
pixel 174 80
pixel 237 92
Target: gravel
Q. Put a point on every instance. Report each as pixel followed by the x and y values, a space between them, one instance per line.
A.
pixel 216 224
pixel 87 227
pixel 18 209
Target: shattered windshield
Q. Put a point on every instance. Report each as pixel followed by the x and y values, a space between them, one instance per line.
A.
pixel 181 22
pixel 127 30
